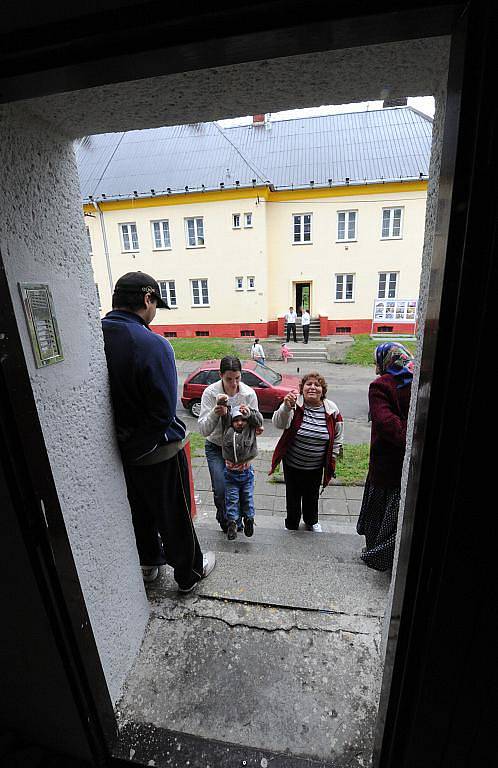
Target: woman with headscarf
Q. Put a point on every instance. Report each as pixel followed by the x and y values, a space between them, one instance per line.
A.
pixel 389 401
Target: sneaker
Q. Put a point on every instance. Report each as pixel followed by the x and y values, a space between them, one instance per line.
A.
pixel 316 528
pixel 232 531
pixel 248 526
pixel 208 563
pixel 149 572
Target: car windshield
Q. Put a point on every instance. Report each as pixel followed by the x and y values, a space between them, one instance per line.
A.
pixel 268 374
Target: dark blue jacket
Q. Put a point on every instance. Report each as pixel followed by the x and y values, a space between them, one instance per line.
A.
pixel 144 383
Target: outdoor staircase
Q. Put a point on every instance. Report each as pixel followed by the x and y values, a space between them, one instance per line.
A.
pixel 291 617
pixel 314 349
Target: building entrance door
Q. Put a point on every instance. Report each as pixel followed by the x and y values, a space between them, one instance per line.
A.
pixel 303 297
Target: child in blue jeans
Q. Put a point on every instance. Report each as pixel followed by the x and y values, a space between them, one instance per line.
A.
pixel 239 448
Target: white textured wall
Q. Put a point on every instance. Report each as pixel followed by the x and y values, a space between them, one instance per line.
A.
pixel 430 228
pixel 43 240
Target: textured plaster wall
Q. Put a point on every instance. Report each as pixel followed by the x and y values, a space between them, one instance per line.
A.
pixel 430 227
pixel 408 68
pixel 43 240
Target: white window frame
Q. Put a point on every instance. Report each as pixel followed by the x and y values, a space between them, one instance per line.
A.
pixel 391 209
pixel 241 286
pixel 199 281
pixel 347 216
pixel 234 223
pixel 161 223
pixel 249 286
pixel 165 291
pixel 344 276
pixel 129 234
pixel 387 286
pixel 197 237
pixel 301 241
pixel 248 225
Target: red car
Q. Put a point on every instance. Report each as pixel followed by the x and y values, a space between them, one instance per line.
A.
pixel 270 386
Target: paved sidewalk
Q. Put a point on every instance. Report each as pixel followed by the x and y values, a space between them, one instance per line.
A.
pixel 339 504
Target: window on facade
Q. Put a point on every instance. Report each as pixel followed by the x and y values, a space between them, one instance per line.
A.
pixel 302 228
pixel 251 283
pixel 194 230
pixel 239 283
pixel 129 237
pixel 346 225
pixel 160 234
pixel 89 240
pixel 391 222
pixel 98 295
pixel 247 332
pixel 202 333
pixel 247 220
pixel 236 220
pixel 344 287
pixel 388 285
pixel 170 334
pixel 167 290
pixel 200 294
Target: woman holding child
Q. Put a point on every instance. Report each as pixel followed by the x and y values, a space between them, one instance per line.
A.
pixel 311 442
pixel 220 398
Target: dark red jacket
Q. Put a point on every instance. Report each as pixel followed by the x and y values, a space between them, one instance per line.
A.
pixel 389 413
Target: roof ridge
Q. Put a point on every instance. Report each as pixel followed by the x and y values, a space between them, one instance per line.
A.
pixel 337 114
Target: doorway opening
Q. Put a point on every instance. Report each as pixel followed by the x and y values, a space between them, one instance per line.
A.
pixel 303 297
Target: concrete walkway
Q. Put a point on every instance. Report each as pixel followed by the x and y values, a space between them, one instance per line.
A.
pixel 276 654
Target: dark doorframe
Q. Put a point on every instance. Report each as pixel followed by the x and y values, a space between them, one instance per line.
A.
pixel 303 294
pixel 434 705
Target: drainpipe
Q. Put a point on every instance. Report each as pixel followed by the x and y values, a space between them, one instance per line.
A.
pixel 106 245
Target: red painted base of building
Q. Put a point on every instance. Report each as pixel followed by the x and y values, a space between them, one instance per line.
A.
pixel 328 327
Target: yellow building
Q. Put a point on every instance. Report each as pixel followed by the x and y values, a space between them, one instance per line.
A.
pixel 235 232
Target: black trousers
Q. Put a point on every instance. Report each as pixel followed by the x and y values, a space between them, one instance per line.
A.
pixel 159 497
pixel 291 327
pixel 306 333
pixel 302 489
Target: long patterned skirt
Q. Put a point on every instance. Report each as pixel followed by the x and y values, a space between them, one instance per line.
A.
pixel 378 522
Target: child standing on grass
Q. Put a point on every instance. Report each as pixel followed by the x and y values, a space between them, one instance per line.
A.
pixel 239 448
pixel 285 352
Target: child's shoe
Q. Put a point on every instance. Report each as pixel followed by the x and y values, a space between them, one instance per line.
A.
pixel 248 526
pixel 232 530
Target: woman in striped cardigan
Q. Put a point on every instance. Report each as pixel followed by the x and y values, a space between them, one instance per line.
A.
pixel 312 440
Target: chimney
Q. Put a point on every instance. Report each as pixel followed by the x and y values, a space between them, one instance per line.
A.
pixel 258 120
pixel 395 102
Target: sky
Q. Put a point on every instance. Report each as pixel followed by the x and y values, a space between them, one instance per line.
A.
pixel 424 104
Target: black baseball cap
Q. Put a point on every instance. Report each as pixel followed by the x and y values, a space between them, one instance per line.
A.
pixel 140 282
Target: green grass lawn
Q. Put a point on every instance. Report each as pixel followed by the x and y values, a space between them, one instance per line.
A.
pixel 361 352
pixel 202 348
pixel 196 444
pixel 352 468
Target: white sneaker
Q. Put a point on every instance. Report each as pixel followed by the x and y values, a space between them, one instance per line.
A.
pixel 149 572
pixel 316 528
pixel 208 563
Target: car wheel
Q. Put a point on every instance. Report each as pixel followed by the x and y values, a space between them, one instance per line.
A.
pixel 195 408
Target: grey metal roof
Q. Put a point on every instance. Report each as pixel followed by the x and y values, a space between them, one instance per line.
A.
pixel 386 144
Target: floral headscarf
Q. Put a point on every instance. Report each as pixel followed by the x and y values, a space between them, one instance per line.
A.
pixel 395 359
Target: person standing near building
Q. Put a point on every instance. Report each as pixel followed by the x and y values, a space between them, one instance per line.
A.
pixel 257 352
pixel 290 319
pixel 151 438
pixel 217 399
pixel 389 400
pixel 305 324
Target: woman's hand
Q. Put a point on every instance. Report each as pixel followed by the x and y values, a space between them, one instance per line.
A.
pixel 244 409
pixel 259 431
pixel 290 400
pixel 220 410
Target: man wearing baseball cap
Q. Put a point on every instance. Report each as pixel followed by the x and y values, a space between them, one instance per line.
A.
pixel 151 438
